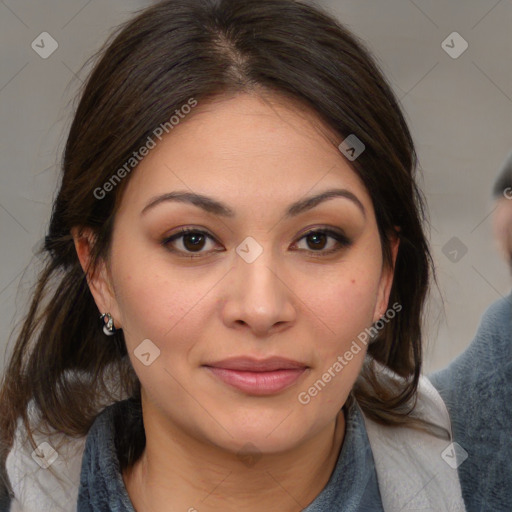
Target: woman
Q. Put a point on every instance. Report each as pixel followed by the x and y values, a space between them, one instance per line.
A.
pixel 230 314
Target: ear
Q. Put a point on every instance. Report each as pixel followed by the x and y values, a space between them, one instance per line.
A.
pixel 386 279
pixel 99 279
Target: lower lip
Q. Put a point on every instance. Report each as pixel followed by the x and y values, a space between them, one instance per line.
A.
pixel 258 383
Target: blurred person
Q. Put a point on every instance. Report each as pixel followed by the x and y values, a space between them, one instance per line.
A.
pixel 502 215
pixel 478 383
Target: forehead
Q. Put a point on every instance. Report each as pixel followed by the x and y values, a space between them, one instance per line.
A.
pixel 245 146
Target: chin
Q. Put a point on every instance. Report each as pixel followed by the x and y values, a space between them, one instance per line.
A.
pixel 261 444
pixel 270 436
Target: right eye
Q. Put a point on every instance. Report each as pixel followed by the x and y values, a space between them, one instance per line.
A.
pixel 192 242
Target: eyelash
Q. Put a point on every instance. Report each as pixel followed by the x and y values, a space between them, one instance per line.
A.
pixel 342 240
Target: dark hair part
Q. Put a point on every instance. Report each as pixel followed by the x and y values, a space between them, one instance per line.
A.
pixel 151 66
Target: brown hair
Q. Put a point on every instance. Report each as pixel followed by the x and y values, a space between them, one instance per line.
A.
pixel 153 64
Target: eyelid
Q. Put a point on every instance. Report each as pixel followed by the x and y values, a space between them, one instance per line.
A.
pixel 342 240
pixel 324 229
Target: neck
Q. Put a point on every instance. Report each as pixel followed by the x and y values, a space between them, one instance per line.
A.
pixel 178 472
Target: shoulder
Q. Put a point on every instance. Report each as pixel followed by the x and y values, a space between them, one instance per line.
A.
pixel 477 389
pixel 483 372
pixel 407 459
pixel 43 478
pixel 47 478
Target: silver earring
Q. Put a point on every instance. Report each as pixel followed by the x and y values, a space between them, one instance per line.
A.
pixel 108 328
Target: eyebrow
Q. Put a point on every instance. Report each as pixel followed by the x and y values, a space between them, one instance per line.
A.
pixel 218 208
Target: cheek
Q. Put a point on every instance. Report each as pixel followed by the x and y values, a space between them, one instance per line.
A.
pixel 343 304
pixel 154 303
pixel 348 314
pixel 165 311
pixel 343 300
pixel 349 301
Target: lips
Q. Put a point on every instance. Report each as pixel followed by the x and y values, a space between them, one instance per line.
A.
pixel 254 365
pixel 257 377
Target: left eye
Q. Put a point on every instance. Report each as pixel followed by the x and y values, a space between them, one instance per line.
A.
pixel 318 240
pixel 192 242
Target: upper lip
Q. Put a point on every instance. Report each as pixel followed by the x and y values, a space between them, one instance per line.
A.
pixel 257 365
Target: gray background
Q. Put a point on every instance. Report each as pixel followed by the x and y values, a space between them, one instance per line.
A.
pixel 459 111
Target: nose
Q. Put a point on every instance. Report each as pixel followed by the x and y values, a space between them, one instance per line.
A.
pixel 258 297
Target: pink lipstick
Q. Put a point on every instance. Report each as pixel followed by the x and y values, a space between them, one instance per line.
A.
pixel 258 377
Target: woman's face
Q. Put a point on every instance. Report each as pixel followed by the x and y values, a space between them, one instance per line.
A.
pixel 251 284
